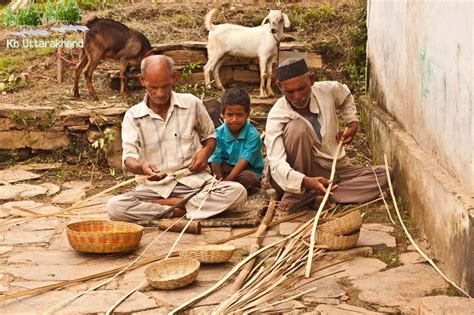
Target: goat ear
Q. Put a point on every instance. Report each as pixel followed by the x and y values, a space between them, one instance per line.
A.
pixel 265 20
pixel 286 21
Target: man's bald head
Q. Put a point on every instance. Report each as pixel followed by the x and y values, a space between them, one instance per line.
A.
pixel 157 63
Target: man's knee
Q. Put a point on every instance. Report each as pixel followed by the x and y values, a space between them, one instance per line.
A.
pixel 296 128
pixel 116 207
pixel 238 192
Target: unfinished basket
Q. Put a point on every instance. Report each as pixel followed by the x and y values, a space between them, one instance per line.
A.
pixel 172 273
pixel 343 225
pixel 101 236
pixel 209 254
pixel 336 242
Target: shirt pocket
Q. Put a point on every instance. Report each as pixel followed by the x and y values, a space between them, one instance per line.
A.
pixel 186 147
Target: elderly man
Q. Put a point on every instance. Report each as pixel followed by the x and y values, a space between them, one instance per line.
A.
pixel 169 136
pixel 302 135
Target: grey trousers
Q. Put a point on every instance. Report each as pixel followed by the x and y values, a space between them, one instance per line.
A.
pixel 133 206
pixel 357 183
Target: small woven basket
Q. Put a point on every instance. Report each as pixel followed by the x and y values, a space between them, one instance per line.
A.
pixel 344 225
pixel 336 242
pixel 209 254
pixel 172 273
pixel 101 236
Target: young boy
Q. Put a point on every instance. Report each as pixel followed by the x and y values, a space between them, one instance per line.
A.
pixel 238 155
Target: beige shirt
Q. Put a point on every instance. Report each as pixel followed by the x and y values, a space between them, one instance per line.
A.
pixel 329 100
pixel 170 144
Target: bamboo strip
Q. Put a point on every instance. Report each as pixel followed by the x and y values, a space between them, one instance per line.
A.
pixel 251 231
pixel 383 198
pixel 410 238
pixel 76 205
pixel 10 296
pixel 321 206
pixel 48 311
pixel 258 241
pixel 123 298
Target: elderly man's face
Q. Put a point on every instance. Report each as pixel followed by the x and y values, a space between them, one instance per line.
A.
pixel 297 90
pixel 159 82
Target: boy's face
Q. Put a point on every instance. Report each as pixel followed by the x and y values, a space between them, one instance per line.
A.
pixel 235 117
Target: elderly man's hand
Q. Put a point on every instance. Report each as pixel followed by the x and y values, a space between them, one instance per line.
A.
pixel 350 133
pixel 152 170
pixel 199 161
pixel 317 184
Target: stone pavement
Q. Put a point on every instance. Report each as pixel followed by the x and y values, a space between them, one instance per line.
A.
pixel 380 275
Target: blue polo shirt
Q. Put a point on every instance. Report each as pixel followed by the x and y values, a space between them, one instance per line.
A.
pixel 247 145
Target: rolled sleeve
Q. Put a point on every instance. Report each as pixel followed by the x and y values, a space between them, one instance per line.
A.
pixel 204 126
pixel 344 102
pixel 130 139
pixel 283 174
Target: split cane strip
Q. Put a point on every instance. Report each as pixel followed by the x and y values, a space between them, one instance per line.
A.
pixel 70 299
pixel 410 238
pixel 78 204
pixel 258 241
pixel 321 206
pixel 383 198
pixel 123 298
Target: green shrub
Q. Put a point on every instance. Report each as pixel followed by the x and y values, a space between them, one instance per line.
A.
pixel 9 17
pixel 68 11
pixel 49 13
pixel 28 16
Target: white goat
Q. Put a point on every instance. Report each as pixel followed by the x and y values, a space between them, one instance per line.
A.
pixel 251 42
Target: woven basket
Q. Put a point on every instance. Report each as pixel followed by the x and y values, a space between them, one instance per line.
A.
pixel 337 242
pixel 103 236
pixel 344 225
pixel 209 254
pixel 172 273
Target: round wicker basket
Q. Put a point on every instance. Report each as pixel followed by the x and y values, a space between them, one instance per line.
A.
pixel 172 273
pixel 101 236
pixel 344 225
pixel 209 254
pixel 337 242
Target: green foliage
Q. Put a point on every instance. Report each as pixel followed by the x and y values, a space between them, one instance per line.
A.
pixel 28 15
pixel 102 144
pixel 198 89
pixel 189 69
pixel 10 64
pixel 49 13
pixel 68 11
pixel 9 16
pixel 19 119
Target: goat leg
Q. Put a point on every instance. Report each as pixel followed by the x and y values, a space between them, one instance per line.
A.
pixel 91 65
pixel 77 73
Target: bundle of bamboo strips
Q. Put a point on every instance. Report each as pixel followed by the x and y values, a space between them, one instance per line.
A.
pixel 280 275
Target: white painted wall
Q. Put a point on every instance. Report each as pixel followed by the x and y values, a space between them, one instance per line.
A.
pixel 421 55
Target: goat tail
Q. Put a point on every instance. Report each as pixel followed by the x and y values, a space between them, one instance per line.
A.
pixel 208 20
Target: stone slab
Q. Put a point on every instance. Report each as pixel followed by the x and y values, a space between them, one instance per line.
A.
pixel 36 166
pixel 9 192
pixel 12 207
pixel 410 258
pixel 398 286
pixel 312 60
pixel 37 140
pixel 92 302
pixel 370 237
pixel 50 257
pixel 13 176
pixel 342 309
pixel 70 196
pixel 354 268
pixel 445 305
pixel 5 249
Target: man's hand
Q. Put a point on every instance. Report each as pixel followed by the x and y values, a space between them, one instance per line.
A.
pixel 199 161
pixel 317 184
pixel 152 170
pixel 350 133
